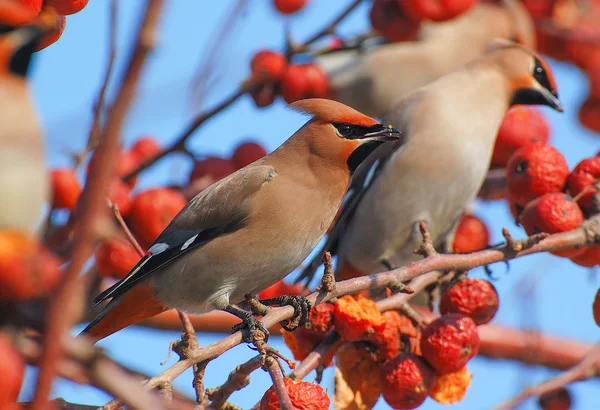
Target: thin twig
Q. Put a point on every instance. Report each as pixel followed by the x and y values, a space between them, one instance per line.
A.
pixel 587 368
pixel 237 380
pixel 272 366
pixel 125 228
pixel 68 304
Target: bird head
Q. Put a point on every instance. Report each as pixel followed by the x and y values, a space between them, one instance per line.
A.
pixel 530 78
pixel 339 133
pixel 17 46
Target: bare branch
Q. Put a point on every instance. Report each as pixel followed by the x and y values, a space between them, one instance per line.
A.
pixel 275 371
pixel 237 380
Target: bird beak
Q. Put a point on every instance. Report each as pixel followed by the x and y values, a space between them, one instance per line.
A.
pixel 551 100
pixel 388 133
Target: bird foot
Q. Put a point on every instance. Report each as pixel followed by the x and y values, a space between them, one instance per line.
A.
pixel 301 307
pixel 253 331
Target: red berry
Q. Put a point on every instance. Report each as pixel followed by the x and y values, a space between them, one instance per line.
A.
pixel 476 298
pixel 435 10
pixel 552 213
pixel 119 194
pixel 116 258
pixel 302 342
pixel 289 6
pixel 145 148
pixel 18 13
pixel 535 170
pixel 264 95
pixel 589 258
pixel 246 153
pixel 318 82
pixel 406 381
pixel 580 45
pixel 387 340
pixel 521 126
pixel 596 308
pixel 589 113
pixel 449 342
pixel 294 84
pixel 320 318
pixel 12 369
pixel 53 36
pixel 389 20
pixel 471 235
pixel 583 177
pixel 539 8
pixel 356 318
pixel 152 211
pixel 212 168
pixel 67 7
pixel 268 65
pixel 65 188
pixel 35 5
pixel 303 395
pixel 557 399
pixel 278 289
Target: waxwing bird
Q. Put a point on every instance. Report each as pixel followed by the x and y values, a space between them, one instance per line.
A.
pixel 372 80
pixel 24 183
pixel 249 230
pixel 448 133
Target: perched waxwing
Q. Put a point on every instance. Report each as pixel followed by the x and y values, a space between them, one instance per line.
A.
pixel 250 229
pixel 373 79
pixel 24 183
pixel 448 132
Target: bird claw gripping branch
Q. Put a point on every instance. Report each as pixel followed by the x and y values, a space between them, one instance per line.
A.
pixel 301 307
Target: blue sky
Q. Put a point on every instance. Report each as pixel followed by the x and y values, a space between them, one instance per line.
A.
pixel 65 81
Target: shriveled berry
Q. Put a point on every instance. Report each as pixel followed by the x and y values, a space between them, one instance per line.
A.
pixel 406 381
pixel 449 342
pixel 268 65
pixel 320 318
pixel 557 399
pixel 65 188
pixel 451 388
pixel 302 342
pixel 589 258
pixel 589 113
pixel 303 395
pixel 393 24
pixel 435 10
pixel 535 170
pixel 387 340
pixel 116 258
pixel 553 213
pixel 522 125
pixel 583 177
pixel 246 153
pixel 289 6
pixel 471 235
pixel 476 298
pixel 596 308
pixel 356 318
pixel 12 369
pixel 264 95
pixel 360 373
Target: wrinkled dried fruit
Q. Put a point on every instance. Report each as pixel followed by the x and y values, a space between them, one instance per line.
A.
pixel 301 343
pixel 449 342
pixel 451 388
pixel 360 373
pixel 320 318
pixel 387 340
pixel 553 213
pixel 476 298
pixel 557 399
pixel 303 395
pixel 583 177
pixel 356 318
pixel 535 170
pixel 471 235
pixel 406 381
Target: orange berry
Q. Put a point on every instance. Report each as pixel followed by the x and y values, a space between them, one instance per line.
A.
pixel 557 399
pixel 387 340
pixel 406 381
pixel 119 194
pixel 67 7
pixel 145 148
pixel 246 153
pixel 65 188
pixel 476 298
pixel 451 388
pixel 289 6
pixel 303 395
pixel 589 113
pixel 320 318
pixel 552 213
pixel 12 369
pixel 535 170
pixel 471 235
pixel 522 125
pixel 268 65
pixel 116 258
pixel 435 10
pixel 152 210
pixel 360 372
pixel 583 177
pixel 53 36
pixel 449 342
pixel 356 318
pixel 389 20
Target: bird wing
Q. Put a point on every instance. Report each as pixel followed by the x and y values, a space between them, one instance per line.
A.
pixel 362 180
pixel 222 208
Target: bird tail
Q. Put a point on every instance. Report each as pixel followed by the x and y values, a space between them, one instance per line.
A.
pixel 347 271
pixel 137 304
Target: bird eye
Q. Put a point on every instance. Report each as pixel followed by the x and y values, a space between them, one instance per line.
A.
pixel 539 73
pixel 345 130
